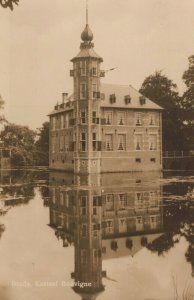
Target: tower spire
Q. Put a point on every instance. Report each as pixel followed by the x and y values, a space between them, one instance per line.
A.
pixel 87 35
pixel 86 11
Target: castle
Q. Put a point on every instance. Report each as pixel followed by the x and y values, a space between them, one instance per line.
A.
pixel 103 127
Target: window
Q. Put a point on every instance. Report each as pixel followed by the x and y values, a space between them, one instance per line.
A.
pixel 83 117
pixel 53 144
pixel 153 142
pixel 95 93
pixel 61 144
pixel 138 142
pixel 83 201
pixel 122 201
pixel 66 200
pixel 152 159
pixel 95 120
pixel 82 90
pixel 83 205
pixel 108 117
pixel 109 202
pixel 95 229
pixel 66 142
pixel 138 160
pixel 122 225
pixel 83 141
pixel 138 119
pixel 84 230
pixel 94 68
pixel 109 226
pixel 109 142
pixel 95 204
pixel 121 142
pixel 112 98
pixel 54 196
pixel 127 99
pixel 66 121
pixel 121 118
pixel 152 119
pixel 53 123
pixel 139 223
pixel 93 116
pixel 94 142
pixel 138 196
pixel 142 100
pixel 62 121
pixel 83 68
pixel 83 256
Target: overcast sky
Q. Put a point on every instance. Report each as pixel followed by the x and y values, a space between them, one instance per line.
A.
pixel 38 39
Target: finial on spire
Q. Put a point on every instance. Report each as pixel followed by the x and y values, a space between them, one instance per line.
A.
pixel 86 11
pixel 87 35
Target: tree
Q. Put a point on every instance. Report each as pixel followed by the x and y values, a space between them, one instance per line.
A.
pixel 163 91
pixel 187 105
pixel 2 118
pixel 21 140
pixel 8 3
pixel 42 145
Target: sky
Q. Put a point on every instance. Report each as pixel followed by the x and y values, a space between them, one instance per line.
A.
pixel 40 37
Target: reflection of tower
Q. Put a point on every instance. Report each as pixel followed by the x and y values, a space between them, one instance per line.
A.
pixel 105 216
pixel 88 260
pixel 75 213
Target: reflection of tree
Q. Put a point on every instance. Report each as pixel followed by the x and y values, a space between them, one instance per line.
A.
pixel 18 186
pixel 178 221
pixel 2 229
pixel 44 191
pixel 187 230
pixel 163 244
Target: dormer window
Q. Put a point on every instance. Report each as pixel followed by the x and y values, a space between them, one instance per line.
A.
pixel 127 99
pixel 112 98
pixel 142 100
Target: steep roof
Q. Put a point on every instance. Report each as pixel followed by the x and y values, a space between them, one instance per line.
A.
pixel 121 242
pixel 87 52
pixel 120 91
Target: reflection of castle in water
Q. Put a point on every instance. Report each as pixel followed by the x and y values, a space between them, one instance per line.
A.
pixel 105 216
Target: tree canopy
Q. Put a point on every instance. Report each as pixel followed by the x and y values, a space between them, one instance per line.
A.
pixel 21 140
pixel 9 3
pixel 187 104
pixel 42 145
pixel 163 91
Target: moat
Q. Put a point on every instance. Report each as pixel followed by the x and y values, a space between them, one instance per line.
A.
pixel 109 236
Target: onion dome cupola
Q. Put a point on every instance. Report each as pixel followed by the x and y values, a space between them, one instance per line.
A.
pixel 87 35
pixel 87 47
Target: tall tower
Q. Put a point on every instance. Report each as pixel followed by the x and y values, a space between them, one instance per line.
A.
pixel 87 133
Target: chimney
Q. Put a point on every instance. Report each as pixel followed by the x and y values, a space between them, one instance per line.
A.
pixel 64 97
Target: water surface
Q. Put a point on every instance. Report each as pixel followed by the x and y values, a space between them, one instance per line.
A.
pixel 122 236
